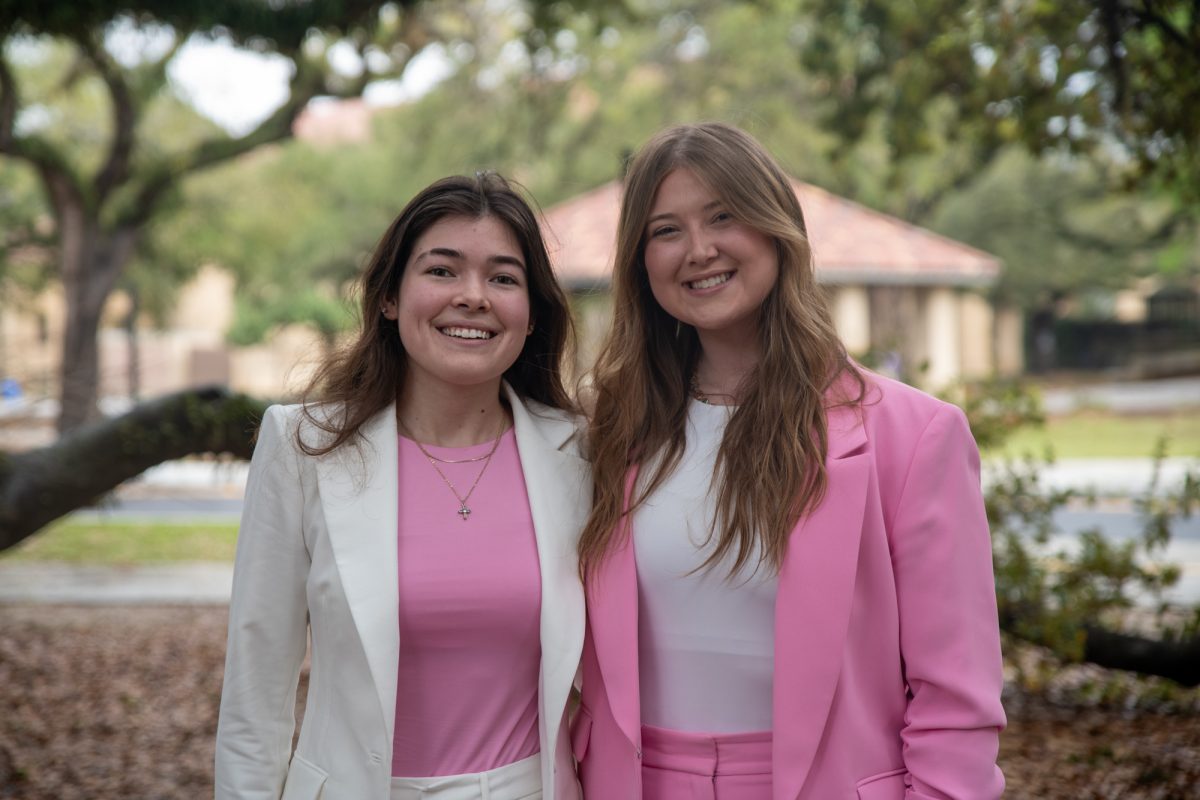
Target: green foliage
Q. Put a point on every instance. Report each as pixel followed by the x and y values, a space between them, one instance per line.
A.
pixel 327 314
pixel 285 23
pixel 998 407
pixel 561 112
pixel 560 123
pixel 1058 228
pixel 23 249
pixel 1050 588
pixel 108 181
pixel 1080 74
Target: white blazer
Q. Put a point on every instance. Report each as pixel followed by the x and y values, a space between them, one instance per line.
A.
pixel 317 553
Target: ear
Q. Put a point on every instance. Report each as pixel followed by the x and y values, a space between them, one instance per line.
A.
pixel 529 330
pixel 390 309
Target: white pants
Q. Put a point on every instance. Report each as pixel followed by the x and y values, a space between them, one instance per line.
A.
pixel 521 780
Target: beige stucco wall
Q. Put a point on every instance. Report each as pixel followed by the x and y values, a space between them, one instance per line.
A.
pixel 205 304
pixel 851 307
pixel 279 368
pixel 1009 349
pixel 191 351
pixel 943 342
pixel 977 325
pixel 1129 306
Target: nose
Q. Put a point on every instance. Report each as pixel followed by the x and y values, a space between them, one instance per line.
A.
pixel 472 294
pixel 701 248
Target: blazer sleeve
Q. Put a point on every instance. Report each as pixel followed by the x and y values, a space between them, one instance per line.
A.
pixel 268 621
pixel 949 634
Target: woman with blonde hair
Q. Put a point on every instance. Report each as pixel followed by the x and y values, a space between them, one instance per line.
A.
pixel 788 565
pixel 417 522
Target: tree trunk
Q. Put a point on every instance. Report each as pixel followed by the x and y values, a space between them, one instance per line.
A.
pixel 91 261
pixel 132 342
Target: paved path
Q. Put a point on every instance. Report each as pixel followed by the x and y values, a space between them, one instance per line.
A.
pixel 1171 394
pixel 93 584
pixel 1111 477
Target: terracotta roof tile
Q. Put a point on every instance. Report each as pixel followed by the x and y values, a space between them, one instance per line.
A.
pixel 851 243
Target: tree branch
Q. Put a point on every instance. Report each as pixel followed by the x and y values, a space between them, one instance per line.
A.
pixel 308 82
pixel 305 85
pixel 158 69
pixel 39 486
pixel 1176 660
pixel 58 179
pixel 1179 661
pixel 124 110
pixel 9 103
pixel 1147 17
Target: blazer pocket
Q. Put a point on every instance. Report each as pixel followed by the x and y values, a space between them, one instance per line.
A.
pixel 884 786
pixel 581 734
pixel 305 780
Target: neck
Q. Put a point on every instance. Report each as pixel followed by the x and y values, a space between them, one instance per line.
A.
pixel 451 416
pixel 724 366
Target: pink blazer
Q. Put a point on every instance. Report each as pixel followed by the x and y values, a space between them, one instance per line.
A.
pixel 887 650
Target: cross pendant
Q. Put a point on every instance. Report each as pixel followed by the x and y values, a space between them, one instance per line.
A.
pixel 464 512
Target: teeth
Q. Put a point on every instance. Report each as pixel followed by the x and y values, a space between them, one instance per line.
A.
pixel 466 333
pixel 708 283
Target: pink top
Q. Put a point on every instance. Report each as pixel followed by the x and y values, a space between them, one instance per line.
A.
pixel 470 602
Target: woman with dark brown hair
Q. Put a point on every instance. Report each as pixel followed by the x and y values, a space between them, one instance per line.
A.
pixel 416 519
pixel 788 565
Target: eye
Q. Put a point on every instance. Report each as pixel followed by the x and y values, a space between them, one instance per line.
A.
pixel 439 272
pixel 722 216
pixel 507 280
pixel 661 231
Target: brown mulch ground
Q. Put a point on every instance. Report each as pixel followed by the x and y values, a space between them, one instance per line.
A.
pixel 117 702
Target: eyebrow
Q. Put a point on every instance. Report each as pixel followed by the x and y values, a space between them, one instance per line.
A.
pixel 449 252
pixel 668 214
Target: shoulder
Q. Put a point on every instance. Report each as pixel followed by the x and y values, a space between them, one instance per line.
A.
pixel 898 416
pixel 888 396
pixel 296 422
pixel 561 429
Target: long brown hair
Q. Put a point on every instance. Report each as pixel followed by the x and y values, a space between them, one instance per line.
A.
pixel 366 375
pixel 770 467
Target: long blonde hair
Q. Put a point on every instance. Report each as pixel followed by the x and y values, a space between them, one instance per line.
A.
pixel 770 468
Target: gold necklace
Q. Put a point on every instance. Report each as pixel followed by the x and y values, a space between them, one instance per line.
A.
pixel 463 510
pixel 694 389
pixel 696 392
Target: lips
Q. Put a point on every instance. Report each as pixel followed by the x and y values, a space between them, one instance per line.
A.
pixel 460 332
pixel 709 282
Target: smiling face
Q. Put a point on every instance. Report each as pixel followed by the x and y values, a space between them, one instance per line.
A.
pixel 705 268
pixel 463 304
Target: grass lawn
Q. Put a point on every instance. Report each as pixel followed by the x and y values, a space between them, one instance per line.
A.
pixel 1098 434
pixel 128 542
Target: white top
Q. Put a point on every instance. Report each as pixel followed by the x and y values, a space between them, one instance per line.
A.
pixel 706 640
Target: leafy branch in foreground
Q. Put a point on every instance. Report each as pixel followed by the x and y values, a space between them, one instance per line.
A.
pixel 1088 596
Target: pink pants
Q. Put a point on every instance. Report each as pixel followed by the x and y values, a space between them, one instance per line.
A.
pixel 699 766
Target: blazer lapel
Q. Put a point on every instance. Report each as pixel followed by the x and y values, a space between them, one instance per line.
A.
pixel 812 610
pixel 359 499
pixel 559 488
pixel 612 601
